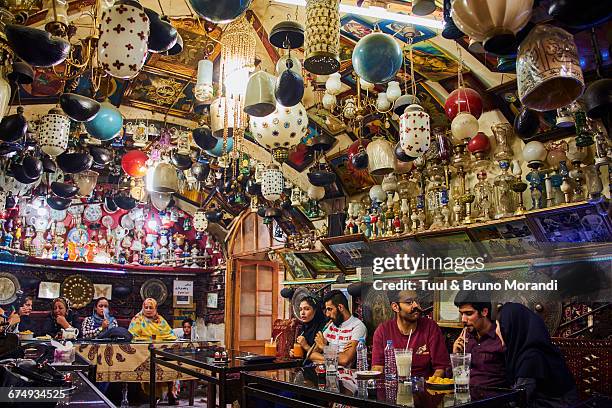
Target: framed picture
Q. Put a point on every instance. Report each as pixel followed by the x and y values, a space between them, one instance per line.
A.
pixel 400 30
pixel 354 27
pixel 432 62
pixel 318 262
pixel 346 54
pixel 325 121
pixel 212 300
pixel 452 245
pixel 432 105
pixel 506 240
pixel 44 89
pixel 103 290
pixel 161 91
pixel 353 181
pixel 445 313
pixel 295 268
pixel 182 294
pixel 49 290
pixel 349 251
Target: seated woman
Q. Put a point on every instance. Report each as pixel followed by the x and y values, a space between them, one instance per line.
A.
pixel 313 320
pixel 61 317
pixel 532 361
pixel 149 325
pixel 20 320
pixel 100 322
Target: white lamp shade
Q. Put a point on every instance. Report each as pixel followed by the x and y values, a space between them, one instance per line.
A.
pixel 200 222
pixel 393 91
pixel 333 85
pixel 382 103
pixel 377 194
pixel 415 132
pixel 217 116
pixel 85 181
pixel 161 178
pixel 259 100
pixel 205 72
pixel 272 183
pixel 329 101
pixel 160 200
pixel 381 157
pixel 316 193
pixel 534 151
pixel 53 133
pixel 285 127
pixel 464 126
pixel 368 86
pixel 389 183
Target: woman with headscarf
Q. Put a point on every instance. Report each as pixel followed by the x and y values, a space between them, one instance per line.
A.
pixel 532 361
pixel 149 325
pixel 61 317
pixel 100 322
pixel 313 321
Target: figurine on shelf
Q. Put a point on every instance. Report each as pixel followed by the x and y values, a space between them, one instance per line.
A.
pixel 483 197
pixel 505 203
pixel 445 210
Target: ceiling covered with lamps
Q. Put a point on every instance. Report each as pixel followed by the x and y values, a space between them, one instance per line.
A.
pixel 169 88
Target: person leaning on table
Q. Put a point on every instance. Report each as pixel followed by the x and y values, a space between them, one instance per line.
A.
pixel 429 354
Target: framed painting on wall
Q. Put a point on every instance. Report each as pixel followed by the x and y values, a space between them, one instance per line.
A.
pixel 295 268
pixel 445 313
pixel 349 251
pixel 318 262
pixel 432 62
pixel 353 181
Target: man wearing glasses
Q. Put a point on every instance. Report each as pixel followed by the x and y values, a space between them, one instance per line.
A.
pixel 429 354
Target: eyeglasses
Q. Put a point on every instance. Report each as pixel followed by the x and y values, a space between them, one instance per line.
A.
pixel 409 301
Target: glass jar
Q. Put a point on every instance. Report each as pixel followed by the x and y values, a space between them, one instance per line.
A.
pixel 505 198
pixel 502 132
pixel 483 197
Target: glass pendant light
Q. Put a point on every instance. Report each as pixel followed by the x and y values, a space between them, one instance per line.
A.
pixel 203 90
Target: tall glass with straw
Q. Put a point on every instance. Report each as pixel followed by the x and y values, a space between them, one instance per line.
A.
pixel 461 368
pixel 403 361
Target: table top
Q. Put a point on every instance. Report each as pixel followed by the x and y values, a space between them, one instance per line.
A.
pixel 204 357
pixel 377 392
pixel 85 395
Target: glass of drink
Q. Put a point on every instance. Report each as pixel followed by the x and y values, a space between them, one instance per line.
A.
pixel 270 348
pixel 404 395
pixel 330 352
pixel 403 361
pixel 298 351
pixel 461 371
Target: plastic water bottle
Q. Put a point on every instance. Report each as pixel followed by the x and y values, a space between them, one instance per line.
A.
pixel 390 367
pixel 362 355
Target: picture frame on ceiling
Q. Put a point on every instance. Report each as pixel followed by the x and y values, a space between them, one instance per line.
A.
pixel 300 157
pixel 399 31
pixel 45 88
pixel 319 262
pixel 433 104
pixel 433 62
pixel 325 121
pixel 162 91
pixel 349 251
pixel 295 268
pixel 196 43
pixel 346 54
pixel 355 27
pixel 353 181
pixel 506 98
pixel 445 313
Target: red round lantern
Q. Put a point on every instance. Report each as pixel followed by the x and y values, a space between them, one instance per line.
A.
pixel 463 100
pixel 479 143
pixel 134 163
pixel 356 147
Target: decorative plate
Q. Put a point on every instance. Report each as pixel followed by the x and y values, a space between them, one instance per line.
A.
pixel 136 213
pixel 127 222
pixel 108 221
pixel 76 208
pixel 78 290
pixel 93 212
pixel 58 215
pixel 9 285
pixel 156 289
pixel 78 235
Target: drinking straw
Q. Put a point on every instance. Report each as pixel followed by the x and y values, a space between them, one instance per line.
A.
pixel 408 344
pixel 464 343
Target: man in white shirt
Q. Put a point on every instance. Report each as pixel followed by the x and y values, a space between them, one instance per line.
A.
pixel 343 330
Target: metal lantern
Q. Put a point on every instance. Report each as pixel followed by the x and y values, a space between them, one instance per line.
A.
pixel 548 69
pixel 322 37
pixel 381 157
pixel 272 183
pixel 415 132
pixel 53 132
pixel 200 222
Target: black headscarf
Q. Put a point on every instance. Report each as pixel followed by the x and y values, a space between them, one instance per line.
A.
pixel 530 352
pixel 317 323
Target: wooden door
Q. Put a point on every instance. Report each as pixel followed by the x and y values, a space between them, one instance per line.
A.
pixel 256 304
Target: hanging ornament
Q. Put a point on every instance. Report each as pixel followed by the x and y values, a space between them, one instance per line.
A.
pixel 200 222
pixel 370 51
pixel 53 132
pixel 322 37
pixel 107 124
pixel 272 183
pixel 134 163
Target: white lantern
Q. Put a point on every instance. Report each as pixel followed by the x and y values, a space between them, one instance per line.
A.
pixel 316 193
pixel 464 126
pixel 534 153
pixel 393 91
pixel 124 38
pixel 285 127
pixel 333 85
pixel 160 200
pixel 203 90
pixel 272 183
pixel 377 194
pixel 415 132
pixel 381 157
pixel 200 222
pixel 368 86
pixel 329 101
pixel 53 132
pixel 382 103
